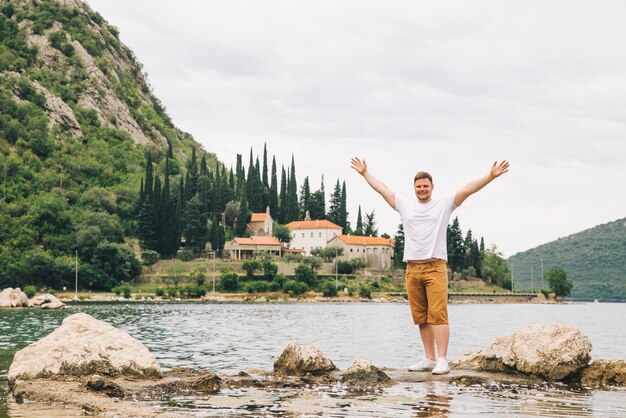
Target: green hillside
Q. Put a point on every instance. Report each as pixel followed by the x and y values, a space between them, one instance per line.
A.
pixel 594 259
pixel 77 123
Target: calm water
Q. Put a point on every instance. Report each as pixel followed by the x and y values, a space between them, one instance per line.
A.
pixel 233 337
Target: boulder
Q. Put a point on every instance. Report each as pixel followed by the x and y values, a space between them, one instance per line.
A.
pixel 47 301
pixel 363 373
pixel 604 373
pixel 83 345
pixel 298 360
pixel 13 298
pixel 548 351
pixel 208 383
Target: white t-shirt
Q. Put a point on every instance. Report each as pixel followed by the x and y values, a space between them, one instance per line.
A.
pixel 425 226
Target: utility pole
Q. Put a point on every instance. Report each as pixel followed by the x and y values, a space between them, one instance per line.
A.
pixel 336 268
pixel 76 288
pixel 541 258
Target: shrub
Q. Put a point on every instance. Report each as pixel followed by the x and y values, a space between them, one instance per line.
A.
pixel 365 291
pixel 30 291
pixel 149 257
pixel 117 290
pixel 329 289
pixel 229 281
pixel 171 292
pixel 376 285
pixel 344 267
pixel 256 287
pixel 160 291
pixel 280 280
pixel 126 291
pixel 305 274
pixel 250 267
pixel 294 288
pixel 185 254
pixel 274 287
pixel 269 270
pixel 313 262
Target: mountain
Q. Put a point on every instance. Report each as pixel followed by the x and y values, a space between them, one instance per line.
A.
pixel 594 259
pixel 80 132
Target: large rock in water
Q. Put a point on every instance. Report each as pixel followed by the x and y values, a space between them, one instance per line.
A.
pixel 13 298
pixel 549 351
pixel 363 373
pixel 604 373
pixel 48 301
pixel 298 360
pixel 83 345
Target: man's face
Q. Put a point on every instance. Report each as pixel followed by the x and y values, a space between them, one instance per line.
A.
pixel 423 190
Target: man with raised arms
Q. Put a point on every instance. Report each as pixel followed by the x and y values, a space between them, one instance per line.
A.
pixel 425 223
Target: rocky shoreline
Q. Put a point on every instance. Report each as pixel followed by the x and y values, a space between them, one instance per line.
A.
pixel 91 366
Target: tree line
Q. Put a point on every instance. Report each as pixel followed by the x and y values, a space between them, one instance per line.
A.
pixel 203 206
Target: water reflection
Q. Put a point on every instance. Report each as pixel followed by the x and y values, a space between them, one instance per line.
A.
pixel 436 403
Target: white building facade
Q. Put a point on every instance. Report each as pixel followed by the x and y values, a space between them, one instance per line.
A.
pixel 306 235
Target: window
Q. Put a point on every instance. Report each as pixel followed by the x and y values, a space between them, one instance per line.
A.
pixel 357 250
pixel 351 249
pixel 320 235
pixel 303 235
pixel 311 234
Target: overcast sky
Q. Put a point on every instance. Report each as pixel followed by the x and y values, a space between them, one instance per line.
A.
pixel 442 86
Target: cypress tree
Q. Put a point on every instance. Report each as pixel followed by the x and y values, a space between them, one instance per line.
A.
pixel 149 178
pixel 192 175
pixel 344 210
pixel 282 213
pixel 334 211
pixel 243 217
pixel 292 193
pixel 359 223
pixel 273 201
pixel 241 177
pixel 204 169
pixel 305 198
pixel 265 178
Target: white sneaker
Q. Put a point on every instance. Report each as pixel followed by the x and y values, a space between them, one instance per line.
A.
pixel 441 367
pixel 425 365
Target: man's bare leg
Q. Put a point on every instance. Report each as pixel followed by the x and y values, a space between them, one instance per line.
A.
pixel 442 338
pixel 427 333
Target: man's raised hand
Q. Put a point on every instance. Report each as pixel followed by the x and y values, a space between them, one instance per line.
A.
pixel 359 166
pixel 498 169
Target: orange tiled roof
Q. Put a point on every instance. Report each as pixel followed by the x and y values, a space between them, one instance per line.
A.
pixel 317 224
pixel 256 240
pixel 259 217
pixel 358 240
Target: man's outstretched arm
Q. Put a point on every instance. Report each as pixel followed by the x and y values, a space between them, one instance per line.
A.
pixel 472 187
pixel 379 186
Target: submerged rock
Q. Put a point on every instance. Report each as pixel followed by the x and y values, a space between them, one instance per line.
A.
pixel 298 360
pixel 604 373
pixel 363 373
pixel 83 345
pixel 549 351
pixel 13 298
pixel 48 301
pixel 209 383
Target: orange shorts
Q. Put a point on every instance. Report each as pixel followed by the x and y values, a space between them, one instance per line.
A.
pixel 427 287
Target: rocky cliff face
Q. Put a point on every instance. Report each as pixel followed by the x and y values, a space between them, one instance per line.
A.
pixel 80 65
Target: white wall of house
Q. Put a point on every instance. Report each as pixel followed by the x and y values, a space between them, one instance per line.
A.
pixel 307 239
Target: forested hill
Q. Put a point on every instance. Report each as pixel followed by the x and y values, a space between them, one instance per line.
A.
pixel 594 259
pixel 77 124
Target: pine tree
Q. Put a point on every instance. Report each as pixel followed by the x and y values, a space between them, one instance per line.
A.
pixel 369 228
pixel 456 247
pixel 318 203
pixel 398 250
pixel 292 193
pixel 359 223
